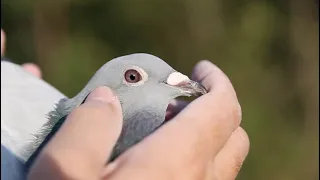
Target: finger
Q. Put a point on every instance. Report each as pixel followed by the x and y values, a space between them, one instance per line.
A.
pixel 228 162
pixel 195 135
pixel 33 69
pixel 3 42
pixel 218 84
pixel 83 144
pixel 175 107
pixel 219 112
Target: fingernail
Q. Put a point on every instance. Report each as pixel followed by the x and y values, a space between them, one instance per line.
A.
pixel 103 94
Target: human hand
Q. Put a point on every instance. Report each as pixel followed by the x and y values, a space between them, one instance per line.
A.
pixel 30 67
pixel 203 141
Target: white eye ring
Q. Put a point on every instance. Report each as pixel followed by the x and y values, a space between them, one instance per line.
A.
pixel 141 72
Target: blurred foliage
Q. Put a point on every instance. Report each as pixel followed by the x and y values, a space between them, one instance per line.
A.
pixel 268 48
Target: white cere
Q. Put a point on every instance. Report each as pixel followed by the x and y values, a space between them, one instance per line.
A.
pixel 176 77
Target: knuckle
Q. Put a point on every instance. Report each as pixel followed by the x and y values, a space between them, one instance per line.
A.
pixel 236 167
pixel 237 113
pixel 234 158
pixel 231 172
pixel 233 107
pixel 243 149
pixel 244 138
pixel 230 112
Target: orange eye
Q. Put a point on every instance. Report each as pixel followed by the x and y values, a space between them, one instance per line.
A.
pixel 132 76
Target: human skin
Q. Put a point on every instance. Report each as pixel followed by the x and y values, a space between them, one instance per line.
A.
pixel 202 141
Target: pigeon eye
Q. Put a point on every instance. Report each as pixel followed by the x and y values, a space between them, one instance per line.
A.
pixel 132 76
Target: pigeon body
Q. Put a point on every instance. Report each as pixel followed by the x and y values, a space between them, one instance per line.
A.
pixel 144 84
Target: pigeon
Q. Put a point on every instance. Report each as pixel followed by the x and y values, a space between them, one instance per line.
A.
pixel 144 84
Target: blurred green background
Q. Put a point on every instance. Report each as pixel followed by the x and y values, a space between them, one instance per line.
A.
pixel 268 48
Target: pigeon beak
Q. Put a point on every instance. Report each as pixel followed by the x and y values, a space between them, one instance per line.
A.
pixel 187 86
pixel 192 88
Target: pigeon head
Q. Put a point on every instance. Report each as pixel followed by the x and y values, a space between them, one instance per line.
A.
pixel 140 80
pixel 144 84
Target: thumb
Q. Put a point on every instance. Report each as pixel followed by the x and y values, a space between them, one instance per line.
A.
pixel 101 113
pixel 84 142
